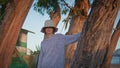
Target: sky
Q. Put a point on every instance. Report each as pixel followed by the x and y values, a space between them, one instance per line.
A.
pixel 35 21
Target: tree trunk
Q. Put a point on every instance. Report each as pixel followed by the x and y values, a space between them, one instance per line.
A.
pixel 76 25
pixel 16 12
pixel 96 34
pixel 113 43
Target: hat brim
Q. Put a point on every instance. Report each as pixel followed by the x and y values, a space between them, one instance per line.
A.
pixel 43 29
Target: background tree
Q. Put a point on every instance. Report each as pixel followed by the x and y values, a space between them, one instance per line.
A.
pixel 77 14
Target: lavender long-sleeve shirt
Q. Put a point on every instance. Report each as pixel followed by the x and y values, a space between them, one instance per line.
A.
pixel 52 50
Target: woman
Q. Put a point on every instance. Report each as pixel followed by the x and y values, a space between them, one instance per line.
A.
pixel 52 47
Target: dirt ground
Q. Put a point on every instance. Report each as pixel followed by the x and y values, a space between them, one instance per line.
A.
pixel 115 66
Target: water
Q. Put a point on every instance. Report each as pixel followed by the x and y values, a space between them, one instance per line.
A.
pixel 115 60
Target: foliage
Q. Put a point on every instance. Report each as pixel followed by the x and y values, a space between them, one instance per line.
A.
pixel 66 7
pixel 22 44
pixel 35 52
pixel 2 9
pixel 18 62
pixel 50 6
pixel 3 1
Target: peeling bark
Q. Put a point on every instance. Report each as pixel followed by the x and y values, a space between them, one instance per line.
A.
pixel 96 34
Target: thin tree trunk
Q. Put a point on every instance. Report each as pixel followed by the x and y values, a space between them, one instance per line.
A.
pixel 95 38
pixel 16 12
pixel 76 25
pixel 55 15
pixel 114 40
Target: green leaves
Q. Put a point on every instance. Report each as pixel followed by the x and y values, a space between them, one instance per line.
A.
pixel 3 1
pixel 45 5
pixel 49 6
pixel 35 52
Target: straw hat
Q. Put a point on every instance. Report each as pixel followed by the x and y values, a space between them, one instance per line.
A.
pixel 49 23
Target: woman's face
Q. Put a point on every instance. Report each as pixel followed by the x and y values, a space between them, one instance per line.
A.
pixel 49 30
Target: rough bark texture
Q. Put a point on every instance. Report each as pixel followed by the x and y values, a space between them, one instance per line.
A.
pixel 76 25
pixel 95 38
pixel 16 12
pixel 113 43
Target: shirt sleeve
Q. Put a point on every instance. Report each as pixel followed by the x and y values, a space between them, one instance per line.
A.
pixel 72 38
pixel 40 58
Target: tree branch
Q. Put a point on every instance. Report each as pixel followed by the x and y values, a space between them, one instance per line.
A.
pixel 67 4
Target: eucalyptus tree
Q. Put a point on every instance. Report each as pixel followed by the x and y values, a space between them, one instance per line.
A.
pixel 94 44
